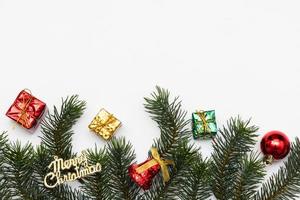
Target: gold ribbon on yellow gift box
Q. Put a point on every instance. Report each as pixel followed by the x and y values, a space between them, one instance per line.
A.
pixel 104 124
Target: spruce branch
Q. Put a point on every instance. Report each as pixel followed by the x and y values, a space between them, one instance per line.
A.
pixel 56 128
pixel 65 192
pixel 41 161
pixel 57 140
pixel 19 163
pixel 172 144
pixel 232 143
pixel 170 119
pixel 195 184
pixel 96 185
pixel 251 173
pixel 4 191
pixel 285 184
pixel 120 155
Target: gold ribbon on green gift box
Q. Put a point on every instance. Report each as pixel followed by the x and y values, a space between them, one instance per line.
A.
pixel 202 123
pixel 202 115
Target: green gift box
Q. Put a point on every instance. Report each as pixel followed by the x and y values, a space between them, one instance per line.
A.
pixel 204 124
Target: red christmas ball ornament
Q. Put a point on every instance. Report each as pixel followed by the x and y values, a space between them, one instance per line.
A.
pixel 144 178
pixel 275 145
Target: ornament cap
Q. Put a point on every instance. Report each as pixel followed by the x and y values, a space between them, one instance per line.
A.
pixel 268 159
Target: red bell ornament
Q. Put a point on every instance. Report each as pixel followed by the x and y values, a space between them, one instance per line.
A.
pixel 143 173
pixel 275 145
pixel 143 179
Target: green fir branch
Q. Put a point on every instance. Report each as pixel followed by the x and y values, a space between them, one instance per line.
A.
pixel 65 192
pixel 120 155
pixel 57 140
pixel 41 161
pixel 230 145
pixel 96 185
pixel 251 173
pixel 195 184
pixel 56 127
pixel 285 184
pixel 172 144
pixel 19 170
pixel 4 191
pixel 170 119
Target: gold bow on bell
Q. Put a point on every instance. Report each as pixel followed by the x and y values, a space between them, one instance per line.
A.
pixel 156 159
pixel 204 121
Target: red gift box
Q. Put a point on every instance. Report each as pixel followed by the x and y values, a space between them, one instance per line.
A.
pixel 26 109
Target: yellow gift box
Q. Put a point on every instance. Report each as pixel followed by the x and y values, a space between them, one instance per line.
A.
pixel 104 124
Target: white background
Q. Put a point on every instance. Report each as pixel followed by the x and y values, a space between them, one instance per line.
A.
pixel 237 57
